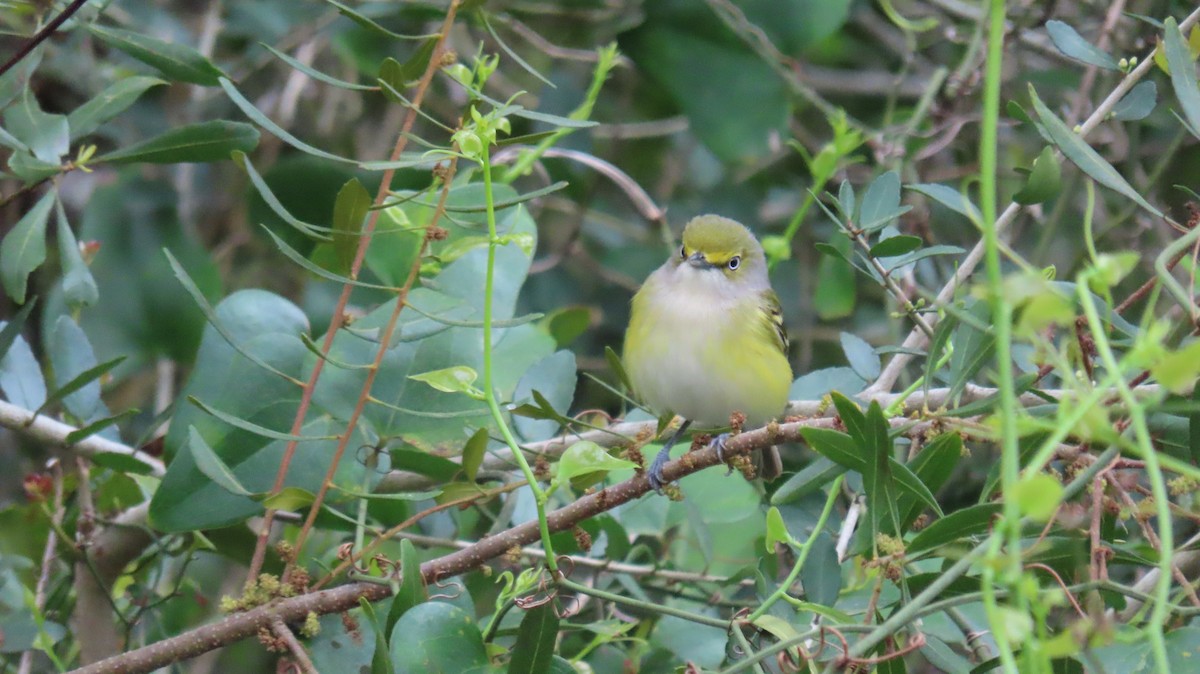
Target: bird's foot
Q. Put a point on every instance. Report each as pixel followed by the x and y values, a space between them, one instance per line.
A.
pixel 719 444
pixel 655 474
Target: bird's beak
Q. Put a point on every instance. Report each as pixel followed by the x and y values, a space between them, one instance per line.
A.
pixel 698 261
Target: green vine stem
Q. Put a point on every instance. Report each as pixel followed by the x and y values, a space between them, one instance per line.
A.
pixel 1158 487
pixel 834 490
pixel 489 390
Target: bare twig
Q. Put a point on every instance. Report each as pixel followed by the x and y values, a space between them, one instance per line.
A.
pixel 39 595
pixel 284 633
pixel 41 36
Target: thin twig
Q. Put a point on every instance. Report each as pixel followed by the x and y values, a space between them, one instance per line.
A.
pixel 41 36
pixel 339 311
pixel 284 633
pixel 916 338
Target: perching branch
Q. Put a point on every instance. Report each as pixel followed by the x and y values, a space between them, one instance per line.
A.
pixel 242 625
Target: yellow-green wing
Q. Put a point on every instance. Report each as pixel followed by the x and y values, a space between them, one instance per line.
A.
pixel 773 316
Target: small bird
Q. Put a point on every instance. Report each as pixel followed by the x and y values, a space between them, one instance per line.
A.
pixel 706 336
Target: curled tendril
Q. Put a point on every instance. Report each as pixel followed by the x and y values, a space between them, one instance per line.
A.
pixel 458 587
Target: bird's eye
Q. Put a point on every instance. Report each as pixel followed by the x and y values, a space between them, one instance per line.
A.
pixel 683 252
pixel 734 262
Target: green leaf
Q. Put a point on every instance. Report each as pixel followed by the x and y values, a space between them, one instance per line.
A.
pixel 1138 103
pixel 567 324
pixel 1183 74
pixel 367 23
pixel 271 127
pixel 585 457
pixel 316 74
pixel 702 75
pixel 213 319
pixel 1038 496
pixel 211 465
pixel 21 377
pixel 437 638
pixel 932 466
pixel 836 292
pixel 290 499
pixel 423 463
pixel 973 347
pixel 957 525
pixel 400 76
pixel 109 103
pixel 395 246
pixel 12 328
pixel 24 248
pixel 821 575
pixel 79 287
pixel 1044 181
pixel 456 379
pixel 551 384
pixel 1082 154
pixel 835 446
pixel 1193 420
pixel 861 356
pixel 381 663
pixel 950 198
pixel 202 142
pixel 412 590
pixel 1179 369
pixel 88 376
pixel 276 206
pixel 896 245
pixel 810 479
pixel 881 203
pixel 238 422
pixel 777 532
pixel 47 136
pixel 878 480
pixel 31 169
pixel 1073 46
pixel 473 451
pixel 618 367
pixel 97 426
pixel 852 418
pixel 121 463
pixel 534 650
pixel 176 61
pixel 349 210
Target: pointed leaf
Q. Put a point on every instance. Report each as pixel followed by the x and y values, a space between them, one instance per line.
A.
pixel 412 590
pixel 1183 74
pixel 534 650
pixel 1073 46
pixel 211 465
pixel 176 61
pixel 79 287
pixel 1082 154
pixel 1044 182
pixel 271 127
pixel 109 103
pixel 881 203
pixel 203 142
pixel 455 379
pixel 896 245
pixel 585 457
pixel 97 426
pixel 473 451
pixel 46 135
pixel 861 356
pixel 954 527
pixel 950 198
pixel 349 210
pixel 1138 103
pixel 24 248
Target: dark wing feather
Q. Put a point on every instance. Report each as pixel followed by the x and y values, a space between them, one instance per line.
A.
pixel 773 313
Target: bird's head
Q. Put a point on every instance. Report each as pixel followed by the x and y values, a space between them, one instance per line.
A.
pixel 714 246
